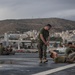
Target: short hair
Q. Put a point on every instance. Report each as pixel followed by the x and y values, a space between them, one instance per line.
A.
pixel 51 55
pixel 70 43
pixel 48 25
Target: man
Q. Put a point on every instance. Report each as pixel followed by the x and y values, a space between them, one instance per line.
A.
pixel 63 59
pixel 43 42
pixel 70 48
pixel 1 49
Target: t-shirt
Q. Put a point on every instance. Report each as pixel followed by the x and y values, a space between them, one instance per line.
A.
pixel 45 34
pixel 60 59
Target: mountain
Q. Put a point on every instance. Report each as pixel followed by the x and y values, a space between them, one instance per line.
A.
pixel 35 24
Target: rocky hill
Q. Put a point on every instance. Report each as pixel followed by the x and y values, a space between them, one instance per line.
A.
pixel 30 24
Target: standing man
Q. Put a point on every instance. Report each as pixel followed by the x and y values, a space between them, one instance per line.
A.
pixel 43 42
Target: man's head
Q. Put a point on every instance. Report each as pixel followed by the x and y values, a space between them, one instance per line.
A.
pixel 47 27
pixel 53 55
pixel 70 44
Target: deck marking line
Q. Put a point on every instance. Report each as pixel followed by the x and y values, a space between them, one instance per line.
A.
pixel 55 70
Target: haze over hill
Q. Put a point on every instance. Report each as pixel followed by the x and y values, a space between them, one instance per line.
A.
pixel 35 24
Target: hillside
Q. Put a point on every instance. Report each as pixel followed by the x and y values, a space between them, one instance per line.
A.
pixel 30 24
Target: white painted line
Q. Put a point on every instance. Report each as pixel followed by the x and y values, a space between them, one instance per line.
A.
pixel 55 70
pixel 20 58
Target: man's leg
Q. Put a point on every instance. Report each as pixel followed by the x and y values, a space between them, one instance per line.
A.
pixel 40 50
pixel 45 53
pixel 71 58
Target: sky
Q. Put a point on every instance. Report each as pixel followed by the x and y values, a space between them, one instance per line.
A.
pixel 28 9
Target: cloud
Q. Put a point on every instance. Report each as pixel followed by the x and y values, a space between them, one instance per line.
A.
pixel 20 9
pixel 63 13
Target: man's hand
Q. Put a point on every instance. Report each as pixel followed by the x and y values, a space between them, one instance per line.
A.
pixel 47 43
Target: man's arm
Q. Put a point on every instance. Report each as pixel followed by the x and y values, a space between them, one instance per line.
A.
pixel 48 38
pixel 42 38
pixel 73 46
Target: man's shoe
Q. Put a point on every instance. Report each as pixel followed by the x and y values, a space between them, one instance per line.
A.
pixel 45 60
pixel 40 61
